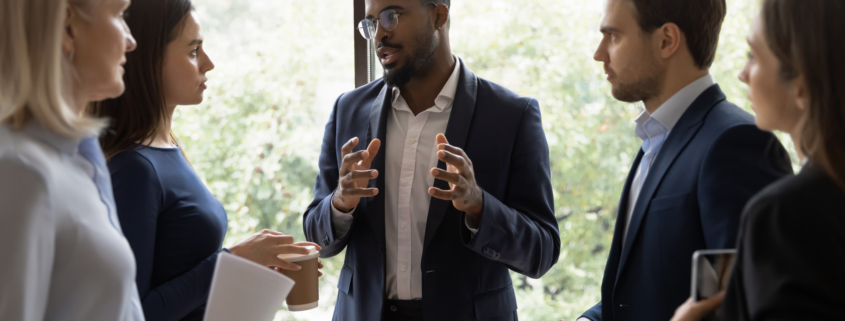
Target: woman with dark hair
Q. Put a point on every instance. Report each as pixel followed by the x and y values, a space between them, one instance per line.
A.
pixel 174 225
pixel 791 252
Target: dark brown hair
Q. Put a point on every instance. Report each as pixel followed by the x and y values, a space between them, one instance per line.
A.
pixel 808 38
pixel 140 112
pixel 699 20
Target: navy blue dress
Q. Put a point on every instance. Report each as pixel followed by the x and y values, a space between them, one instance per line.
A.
pixel 174 226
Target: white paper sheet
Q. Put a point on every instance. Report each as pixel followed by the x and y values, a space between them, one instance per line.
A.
pixel 243 290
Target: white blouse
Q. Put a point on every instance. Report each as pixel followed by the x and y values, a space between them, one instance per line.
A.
pixel 61 258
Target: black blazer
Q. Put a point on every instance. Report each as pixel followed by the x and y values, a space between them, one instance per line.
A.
pixel 465 278
pixel 791 253
pixel 714 160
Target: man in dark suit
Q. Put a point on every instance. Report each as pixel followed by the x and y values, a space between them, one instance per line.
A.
pixel 701 160
pixel 432 224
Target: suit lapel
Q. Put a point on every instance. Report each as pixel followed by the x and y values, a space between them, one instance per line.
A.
pixel 378 129
pixel 612 267
pixel 678 139
pixel 456 132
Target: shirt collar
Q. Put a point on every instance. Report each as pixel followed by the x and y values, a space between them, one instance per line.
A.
pixel 447 94
pixel 64 145
pixel 671 111
pixel 648 127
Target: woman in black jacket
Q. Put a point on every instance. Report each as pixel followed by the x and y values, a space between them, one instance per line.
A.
pixel 791 252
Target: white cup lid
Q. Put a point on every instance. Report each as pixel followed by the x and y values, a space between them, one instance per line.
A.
pixel 296 257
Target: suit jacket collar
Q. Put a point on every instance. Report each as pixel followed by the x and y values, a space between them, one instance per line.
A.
pixel 612 266
pixel 686 128
pixel 457 130
pixel 378 129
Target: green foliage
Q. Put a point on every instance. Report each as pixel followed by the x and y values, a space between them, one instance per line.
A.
pixel 281 64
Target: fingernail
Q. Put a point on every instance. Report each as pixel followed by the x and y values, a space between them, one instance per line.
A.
pixel 373 174
pixel 298 268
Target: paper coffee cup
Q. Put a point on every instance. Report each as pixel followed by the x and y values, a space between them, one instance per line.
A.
pixel 305 293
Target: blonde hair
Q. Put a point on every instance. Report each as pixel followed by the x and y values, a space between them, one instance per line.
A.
pixel 36 77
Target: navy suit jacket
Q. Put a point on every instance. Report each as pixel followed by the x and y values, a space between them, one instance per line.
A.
pixel 714 160
pixel 465 277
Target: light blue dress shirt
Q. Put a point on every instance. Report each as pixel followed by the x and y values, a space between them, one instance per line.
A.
pixel 654 129
pixel 64 256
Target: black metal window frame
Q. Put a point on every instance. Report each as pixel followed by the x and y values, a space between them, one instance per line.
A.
pixel 365 61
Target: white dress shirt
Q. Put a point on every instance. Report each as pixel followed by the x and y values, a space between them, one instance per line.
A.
pixel 410 147
pixel 62 257
pixel 654 129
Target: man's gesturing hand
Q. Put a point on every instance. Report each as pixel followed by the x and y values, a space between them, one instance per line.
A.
pixel 355 175
pixel 464 193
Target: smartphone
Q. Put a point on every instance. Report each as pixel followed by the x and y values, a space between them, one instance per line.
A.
pixel 711 272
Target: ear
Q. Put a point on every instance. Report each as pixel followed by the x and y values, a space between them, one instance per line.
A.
pixel 441 13
pixel 669 38
pixel 69 34
pixel 801 94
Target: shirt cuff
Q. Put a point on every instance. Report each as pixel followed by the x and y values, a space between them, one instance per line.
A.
pixel 473 229
pixel 341 221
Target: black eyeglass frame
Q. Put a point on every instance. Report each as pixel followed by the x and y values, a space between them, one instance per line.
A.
pixel 367 27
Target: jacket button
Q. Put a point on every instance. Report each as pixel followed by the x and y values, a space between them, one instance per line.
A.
pixel 393 308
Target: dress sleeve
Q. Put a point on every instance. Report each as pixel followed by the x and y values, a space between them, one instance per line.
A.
pixel 27 232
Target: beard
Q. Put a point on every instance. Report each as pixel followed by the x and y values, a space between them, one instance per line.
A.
pixel 643 87
pixel 415 62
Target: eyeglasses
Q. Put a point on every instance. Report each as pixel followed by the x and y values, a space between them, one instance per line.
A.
pixel 388 19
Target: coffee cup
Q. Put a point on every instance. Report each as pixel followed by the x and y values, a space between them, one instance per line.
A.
pixel 305 293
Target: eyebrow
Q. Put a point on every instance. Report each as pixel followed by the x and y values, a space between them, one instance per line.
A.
pixel 609 30
pixel 195 42
pixel 750 43
pixel 393 7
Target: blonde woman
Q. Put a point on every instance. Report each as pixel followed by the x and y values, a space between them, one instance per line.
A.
pixel 64 256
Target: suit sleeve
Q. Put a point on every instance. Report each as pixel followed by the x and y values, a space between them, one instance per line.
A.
pixel 521 231
pixel 138 196
pixel 789 265
pixel 317 221
pixel 741 162
pixel 28 235
pixel 593 314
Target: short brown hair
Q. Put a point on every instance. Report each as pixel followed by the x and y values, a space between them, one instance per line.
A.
pixel 807 38
pixel 699 20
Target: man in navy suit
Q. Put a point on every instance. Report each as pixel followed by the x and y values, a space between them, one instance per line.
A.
pixel 701 160
pixel 432 224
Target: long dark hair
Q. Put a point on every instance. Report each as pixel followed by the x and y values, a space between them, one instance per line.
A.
pixel 808 37
pixel 140 112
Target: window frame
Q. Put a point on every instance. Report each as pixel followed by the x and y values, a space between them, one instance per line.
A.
pixel 365 61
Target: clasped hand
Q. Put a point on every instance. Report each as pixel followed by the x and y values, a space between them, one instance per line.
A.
pixel 265 247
